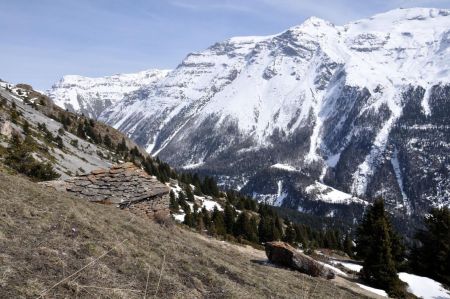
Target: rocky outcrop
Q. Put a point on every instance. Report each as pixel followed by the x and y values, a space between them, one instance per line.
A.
pixel 125 185
pixel 6 128
pixel 283 254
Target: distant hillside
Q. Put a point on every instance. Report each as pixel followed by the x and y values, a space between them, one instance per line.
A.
pixel 72 144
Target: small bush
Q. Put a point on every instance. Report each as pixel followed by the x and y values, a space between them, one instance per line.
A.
pixel 14 116
pixel 19 157
pixel 74 143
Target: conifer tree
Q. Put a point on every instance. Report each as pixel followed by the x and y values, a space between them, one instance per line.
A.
pixel 189 219
pixel 26 127
pixel 290 235
pixel 218 222
pixel 107 141
pixel 59 142
pixel 80 131
pixel 199 224
pixel 174 206
pixel 206 218
pixel 189 194
pixel 182 202
pixel 374 245
pixel 229 218
pixel 348 245
pixel 431 257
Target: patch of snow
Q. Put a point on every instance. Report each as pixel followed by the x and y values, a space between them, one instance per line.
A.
pixel 365 169
pixel 193 165
pixel 350 266
pixel 373 290
pixel 425 101
pixel 280 194
pixel 333 160
pixel 334 269
pixel 210 205
pixel 179 217
pixel 331 213
pixel 424 287
pixel 398 174
pixel 175 188
pixel 284 167
pixel 328 194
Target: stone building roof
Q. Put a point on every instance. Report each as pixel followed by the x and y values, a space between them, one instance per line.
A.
pixel 123 184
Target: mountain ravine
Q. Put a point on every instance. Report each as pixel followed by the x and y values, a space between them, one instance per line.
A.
pixel 319 118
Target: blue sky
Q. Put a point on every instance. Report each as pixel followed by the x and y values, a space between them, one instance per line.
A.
pixel 42 40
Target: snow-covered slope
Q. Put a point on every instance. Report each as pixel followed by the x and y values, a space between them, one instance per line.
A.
pixel 424 287
pixel 362 108
pixel 93 95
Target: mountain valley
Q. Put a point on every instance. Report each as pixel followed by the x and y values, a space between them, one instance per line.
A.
pixel 335 116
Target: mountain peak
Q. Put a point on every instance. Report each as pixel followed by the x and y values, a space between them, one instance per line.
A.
pixel 311 24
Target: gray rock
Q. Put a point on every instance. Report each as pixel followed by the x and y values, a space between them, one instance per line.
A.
pixel 283 254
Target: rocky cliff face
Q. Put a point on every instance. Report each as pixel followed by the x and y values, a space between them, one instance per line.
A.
pixel 316 118
pixel 91 96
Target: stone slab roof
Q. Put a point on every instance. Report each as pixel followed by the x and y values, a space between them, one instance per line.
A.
pixel 122 184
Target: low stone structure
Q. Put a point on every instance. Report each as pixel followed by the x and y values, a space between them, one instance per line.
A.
pixel 283 254
pixel 125 185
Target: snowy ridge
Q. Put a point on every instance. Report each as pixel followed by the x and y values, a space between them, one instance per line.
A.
pixel 91 95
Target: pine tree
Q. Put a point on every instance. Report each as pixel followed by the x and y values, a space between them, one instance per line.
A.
pixel 300 235
pixel 348 245
pixel 107 141
pixel 269 228
pixel 199 224
pixel 174 206
pixel 206 218
pixel 189 194
pixel 374 244
pixel 229 218
pixel 182 202
pixel 122 146
pixel 80 131
pixel 59 142
pixel 290 235
pixel 189 219
pixel 26 127
pixel 218 223
pixel 432 257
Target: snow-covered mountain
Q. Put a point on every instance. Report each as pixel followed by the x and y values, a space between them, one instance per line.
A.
pixel 92 96
pixel 355 111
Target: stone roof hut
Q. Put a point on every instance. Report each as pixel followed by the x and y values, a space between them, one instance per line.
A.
pixel 125 185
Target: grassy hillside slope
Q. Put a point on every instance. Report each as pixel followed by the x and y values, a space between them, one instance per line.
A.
pixel 45 236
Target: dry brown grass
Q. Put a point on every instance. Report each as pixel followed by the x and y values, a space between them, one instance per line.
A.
pixel 46 236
